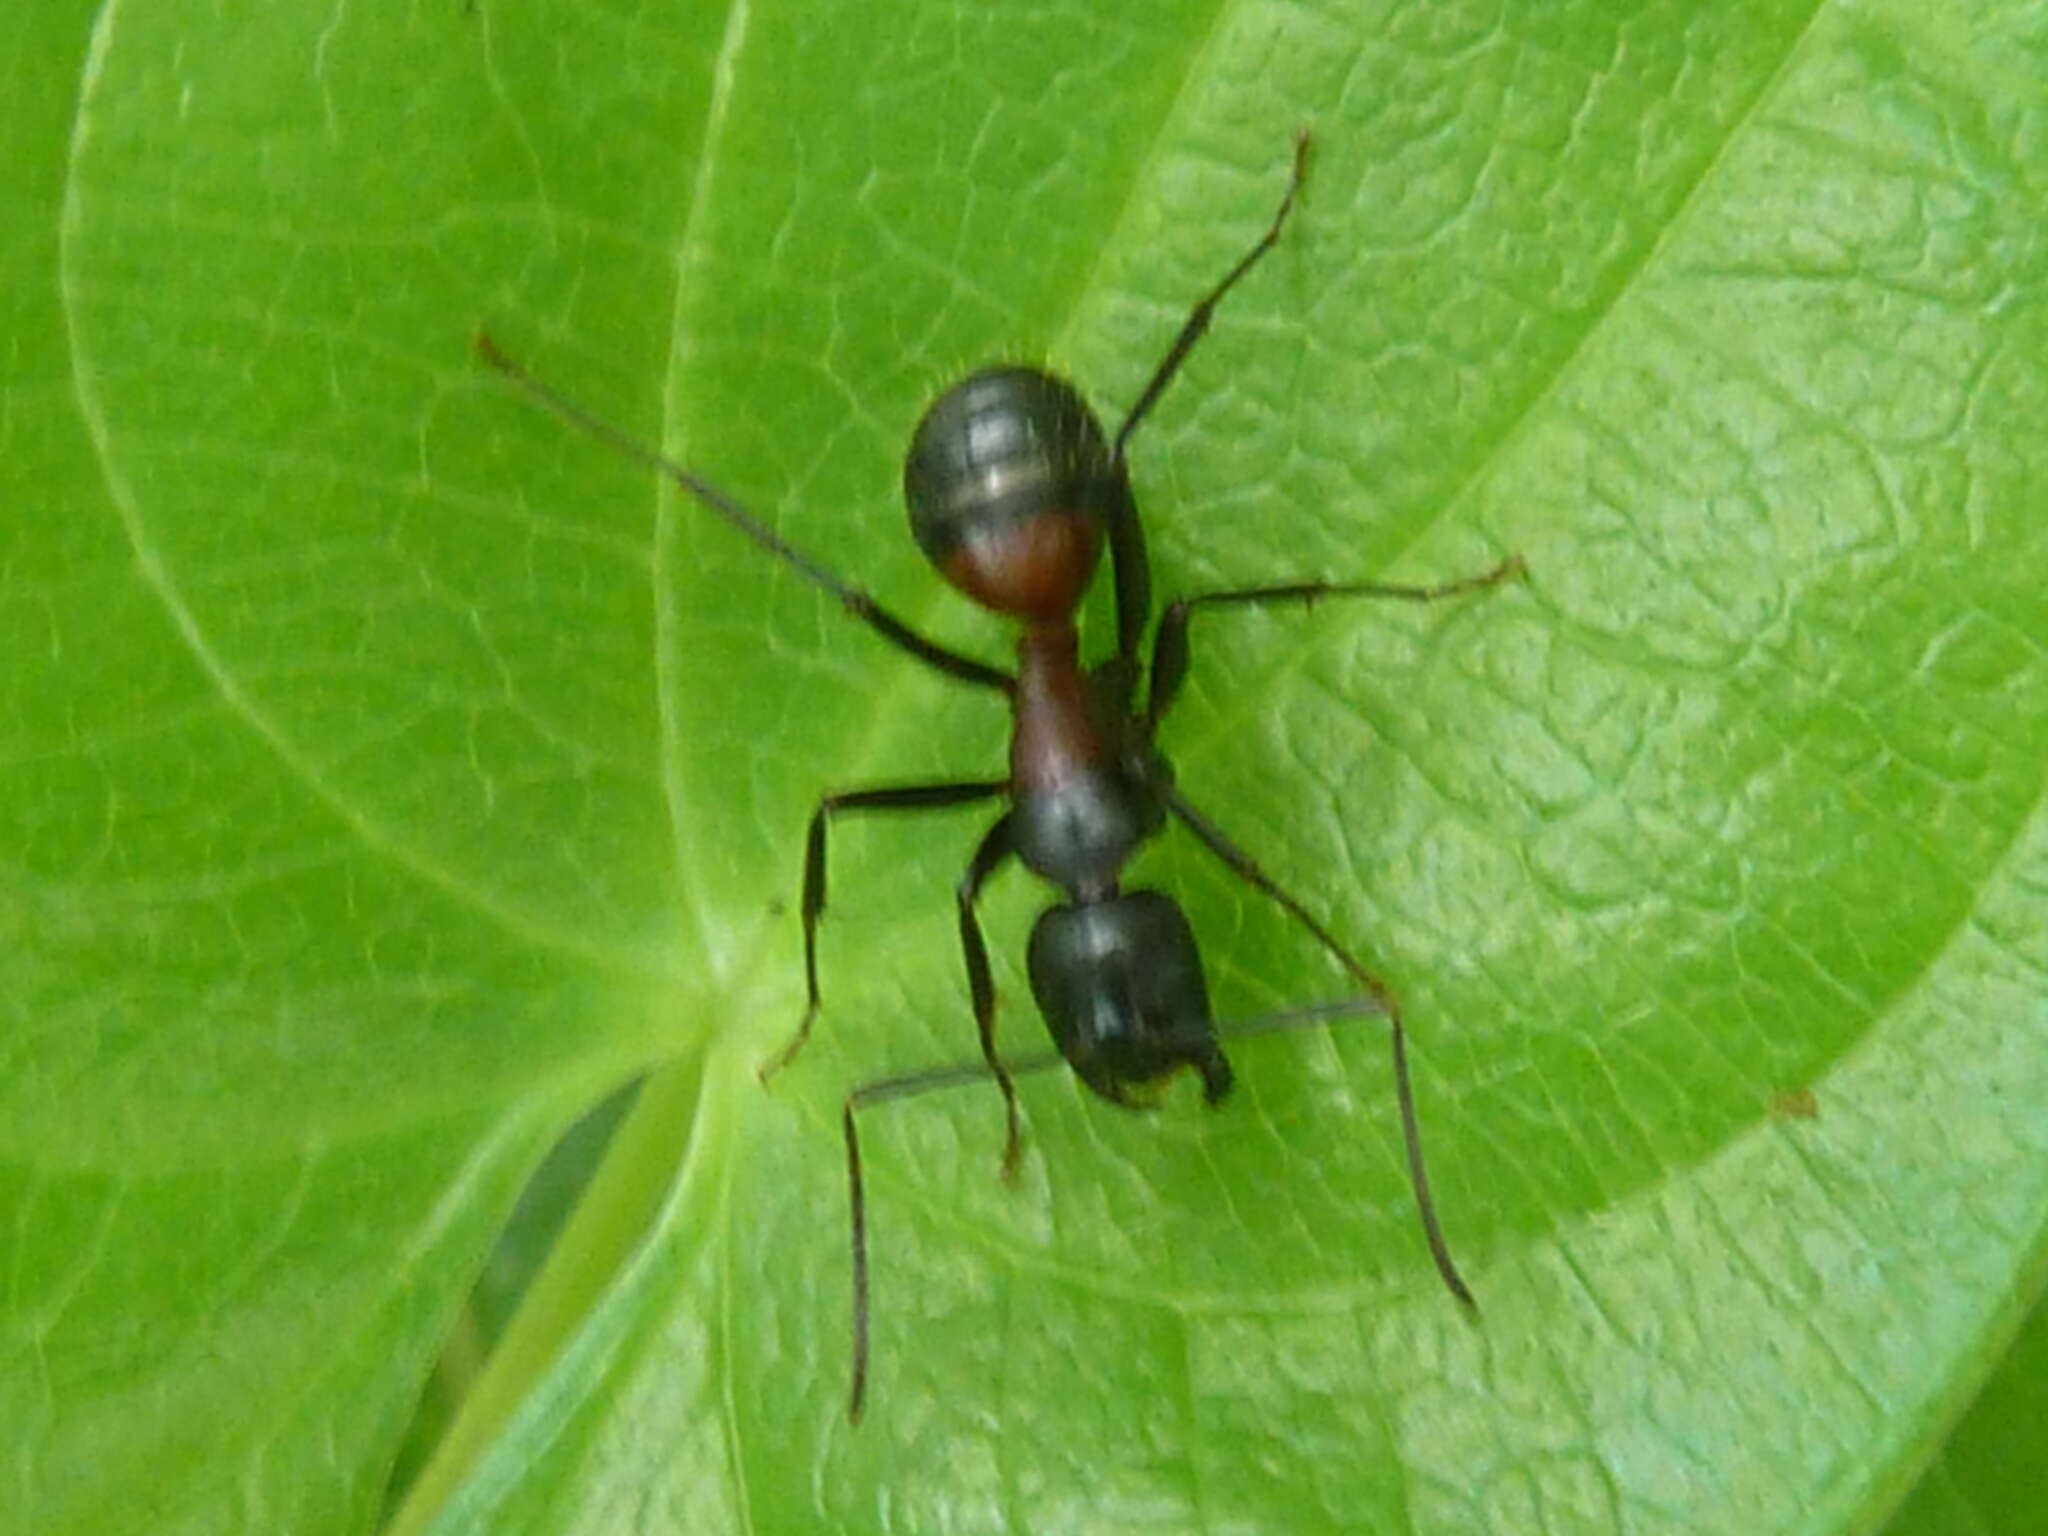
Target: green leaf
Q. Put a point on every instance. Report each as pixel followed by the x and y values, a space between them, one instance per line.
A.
pixel 1987 1480
pixel 391 773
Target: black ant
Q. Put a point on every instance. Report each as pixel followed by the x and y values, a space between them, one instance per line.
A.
pixel 1013 491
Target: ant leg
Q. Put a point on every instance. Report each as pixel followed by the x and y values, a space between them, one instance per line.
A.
pixel 997 846
pixel 960 1073
pixel 1198 319
pixel 1126 533
pixel 1379 992
pixel 1000 843
pixel 1131 572
pixel 910 797
pixel 857 1207
pixel 854 600
pixel 1170 645
pixel 882 1091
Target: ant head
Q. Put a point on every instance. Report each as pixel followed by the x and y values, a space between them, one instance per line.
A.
pixel 1120 984
pixel 1007 479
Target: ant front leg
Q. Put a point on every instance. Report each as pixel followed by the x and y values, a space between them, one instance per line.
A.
pixel 1170 645
pixel 996 847
pixel 1376 992
pixel 908 797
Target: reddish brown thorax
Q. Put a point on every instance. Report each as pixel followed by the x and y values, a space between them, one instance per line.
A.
pixel 1055 735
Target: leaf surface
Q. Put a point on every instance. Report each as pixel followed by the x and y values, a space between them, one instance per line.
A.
pixel 392 773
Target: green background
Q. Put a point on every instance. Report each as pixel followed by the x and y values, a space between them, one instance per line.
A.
pixel 389 774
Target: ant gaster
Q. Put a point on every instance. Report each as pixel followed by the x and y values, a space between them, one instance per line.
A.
pixel 1013 492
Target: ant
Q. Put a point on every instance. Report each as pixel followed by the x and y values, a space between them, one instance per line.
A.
pixel 1013 491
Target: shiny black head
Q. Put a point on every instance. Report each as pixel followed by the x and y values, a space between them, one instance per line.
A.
pixel 1008 478
pixel 1121 988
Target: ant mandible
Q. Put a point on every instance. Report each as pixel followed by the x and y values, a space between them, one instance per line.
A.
pixel 1013 490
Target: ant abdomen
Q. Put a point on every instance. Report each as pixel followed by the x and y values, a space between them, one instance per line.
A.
pixel 1008 480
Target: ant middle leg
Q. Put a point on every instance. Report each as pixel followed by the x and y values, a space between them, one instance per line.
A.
pixel 1378 992
pixel 1170 643
pixel 907 797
